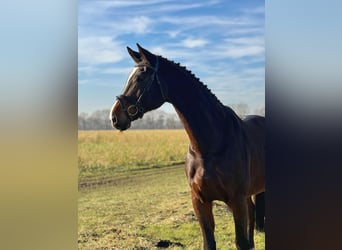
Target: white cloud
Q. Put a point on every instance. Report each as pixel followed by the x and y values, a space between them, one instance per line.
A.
pixel 138 25
pixel 87 81
pixel 110 70
pixel 246 31
pixel 242 51
pixel 176 7
pixel 153 6
pixel 200 21
pixel 86 69
pixel 99 8
pixel 192 43
pixel 117 71
pixel 257 71
pixel 83 81
pixel 173 33
pixel 135 25
pixel 252 40
pixel 171 51
pixel 98 50
pixel 125 3
pixel 239 47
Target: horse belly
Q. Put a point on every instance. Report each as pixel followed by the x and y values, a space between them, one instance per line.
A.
pixel 257 177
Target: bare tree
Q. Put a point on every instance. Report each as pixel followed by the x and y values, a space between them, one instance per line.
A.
pixel 260 111
pixel 241 109
pixel 82 121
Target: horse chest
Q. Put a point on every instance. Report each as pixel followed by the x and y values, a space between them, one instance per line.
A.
pixel 206 183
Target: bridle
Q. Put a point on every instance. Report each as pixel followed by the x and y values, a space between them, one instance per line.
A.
pixel 137 109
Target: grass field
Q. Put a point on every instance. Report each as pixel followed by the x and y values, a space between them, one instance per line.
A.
pixel 104 153
pixel 139 198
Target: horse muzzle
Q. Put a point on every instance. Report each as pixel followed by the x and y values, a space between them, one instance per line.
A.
pixel 120 125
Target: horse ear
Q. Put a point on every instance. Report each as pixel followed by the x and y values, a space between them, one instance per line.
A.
pixel 135 55
pixel 146 55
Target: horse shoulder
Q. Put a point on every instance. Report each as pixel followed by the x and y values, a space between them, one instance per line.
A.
pixel 209 179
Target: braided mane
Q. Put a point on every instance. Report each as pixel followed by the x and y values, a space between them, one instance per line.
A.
pixel 195 79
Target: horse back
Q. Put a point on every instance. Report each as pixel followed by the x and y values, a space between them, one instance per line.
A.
pixel 254 127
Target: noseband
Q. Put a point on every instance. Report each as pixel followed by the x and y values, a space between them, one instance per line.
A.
pixel 137 109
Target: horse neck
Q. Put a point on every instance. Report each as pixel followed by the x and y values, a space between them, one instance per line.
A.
pixel 205 119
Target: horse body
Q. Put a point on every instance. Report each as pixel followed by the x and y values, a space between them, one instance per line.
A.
pixel 231 174
pixel 225 160
pixel 227 168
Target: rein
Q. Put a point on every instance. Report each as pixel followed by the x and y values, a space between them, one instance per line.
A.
pixel 137 109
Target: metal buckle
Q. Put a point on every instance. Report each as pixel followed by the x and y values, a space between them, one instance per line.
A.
pixel 132 110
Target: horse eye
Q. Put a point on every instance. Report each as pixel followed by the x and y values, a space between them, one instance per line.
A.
pixel 142 69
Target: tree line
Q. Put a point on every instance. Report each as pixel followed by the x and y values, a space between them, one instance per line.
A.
pixel 156 119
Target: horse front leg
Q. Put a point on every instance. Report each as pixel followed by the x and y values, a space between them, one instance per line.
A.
pixel 260 212
pixel 251 222
pixel 204 214
pixel 240 213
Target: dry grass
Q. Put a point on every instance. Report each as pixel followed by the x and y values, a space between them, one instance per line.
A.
pixel 103 153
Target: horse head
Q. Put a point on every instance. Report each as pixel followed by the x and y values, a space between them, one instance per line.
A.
pixel 142 92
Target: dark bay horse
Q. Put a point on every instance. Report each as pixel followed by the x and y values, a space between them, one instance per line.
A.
pixel 226 155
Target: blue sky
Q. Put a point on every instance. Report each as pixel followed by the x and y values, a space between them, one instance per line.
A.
pixel 221 42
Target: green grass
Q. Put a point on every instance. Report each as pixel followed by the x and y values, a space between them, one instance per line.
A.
pixel 135 208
